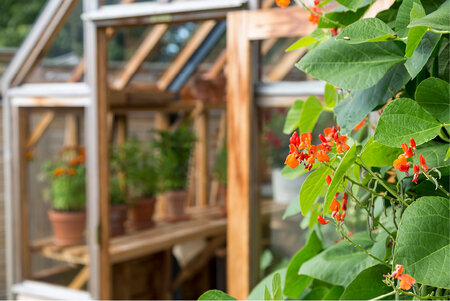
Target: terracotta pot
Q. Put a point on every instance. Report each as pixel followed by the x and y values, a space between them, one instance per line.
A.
pixel 223 197
pixel 117 218
pixel 175 205
pixel 68 227
pixel 141 214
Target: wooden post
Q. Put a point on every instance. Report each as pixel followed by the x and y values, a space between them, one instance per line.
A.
pixel 71 130
pixel 202 158
pixel 242 267
pixel 161 123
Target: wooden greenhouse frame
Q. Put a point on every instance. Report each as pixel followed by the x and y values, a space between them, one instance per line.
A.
pixel 98 100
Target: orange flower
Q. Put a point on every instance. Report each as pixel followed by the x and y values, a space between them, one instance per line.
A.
pixel 71 171
pixel 401 164
pixel 413 143
pixel 283 3
pixel 423 163
pixel 328 179
pixel 335 205
pixel 322 220
pixel 406 281
pixel 407 150
pixel 322 156
pixel 342 145
pixel 313 17
pixel 416 173
pixel 59 171
pixel 292 161
pixel 360 125
pixel 305 139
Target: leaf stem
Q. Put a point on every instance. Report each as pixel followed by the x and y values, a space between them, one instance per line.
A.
pixel 383 296
pixel 438 31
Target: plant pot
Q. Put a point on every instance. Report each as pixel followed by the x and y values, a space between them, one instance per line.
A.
pixel 68 227
pixel 175 205
pixel 286 190
pixel 117 218
pixel 223 197
pixel 141 214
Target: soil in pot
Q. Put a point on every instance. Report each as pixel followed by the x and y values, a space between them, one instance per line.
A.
pixel 68 227
pixel 117 219
pixel 141 214
pixel 176 205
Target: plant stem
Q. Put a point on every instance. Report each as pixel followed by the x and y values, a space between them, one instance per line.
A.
pixel 438 31
pixel 368 189
pixel 382 296
pixel 439 186
pixel 381 181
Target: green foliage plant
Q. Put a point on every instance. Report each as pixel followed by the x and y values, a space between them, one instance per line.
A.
pixel 220 169
pixel 173 153
pixel 390 172
pixel 66 177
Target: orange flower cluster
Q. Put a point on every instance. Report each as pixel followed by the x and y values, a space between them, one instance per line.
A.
pixel 283 3
pixel 406 281
pixel 301 150
pixel 335 207
pixel 62 171
pixel 402 164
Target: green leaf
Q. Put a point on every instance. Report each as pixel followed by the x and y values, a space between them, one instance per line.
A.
pixel 366 30
pixel 351 4
pixel 276 287
pixel 377 154
pixel 316 36
pixel 330 95
pixel 423 241
pixel 433 95
pixel 434 154
pixel 368 284
pixel 351 66
pixel 293 173
pixel 267 295
pixel 293 208
pixel 215 295
pixel 258 291
pixel 310 113
pixel 339 17
pixel 316 293
pixel 422 53
pixel 350 111
pixel 312 188
pixel 340 263
pixel 404 17
pixel 415 34
pixel 293 117
pixel 403 119
pixel 447 155
pixel 437 20
pixel 295 283
pixel 334 293
pixel 336 181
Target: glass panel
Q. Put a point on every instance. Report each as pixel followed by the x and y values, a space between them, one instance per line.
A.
pixel 64 54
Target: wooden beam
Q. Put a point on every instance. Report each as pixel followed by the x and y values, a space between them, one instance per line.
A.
pixel 202 159
pixel 214 194
pixel 80 279
pixel 146 47
pixel 201 33
pixel 285 65
pixel 242 267
pixel 40 129
pixel 71 130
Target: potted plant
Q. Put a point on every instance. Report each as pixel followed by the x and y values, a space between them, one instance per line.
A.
pixel 173 152
pixel 220 173
pixel 138 166
pixel 66 177
pixel 119 210
pixel 284 190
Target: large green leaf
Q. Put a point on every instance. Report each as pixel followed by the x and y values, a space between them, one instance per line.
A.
pixel 341 16
pixel 340 263
pixel 437 20
pixel 316 36
pixel 295 284
pixel 351 4
pixel 310 113
pixel 338 177
pixel 423 241
pixel 366 30
pixel 316 293
pixel 403 119
pixel 404 17
pixel 415 34
pixel 330 96
pixel 293 173
pixel 293 208
pixel 377 154
pixel 434 153
pixel 258 291
pixel 368 284
pixel 312 187
pixel 334 293
pixel 215 295
pixel 422 53
pixel 351 66
pixel 350 111
pixel 433 94
pixel 293 117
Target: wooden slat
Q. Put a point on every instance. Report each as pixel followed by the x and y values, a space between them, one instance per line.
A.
pixel 201 33
pixel 242 186
pixel 80 279
pixel 71 130
pixel 202 158
pixel 40 128
pixel 285 65
pixel 149 43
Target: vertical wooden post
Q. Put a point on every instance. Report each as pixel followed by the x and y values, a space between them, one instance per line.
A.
pixel 161 123
pixel 242 235
pixel 71 130
pixel 202 159
pixel 21 127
